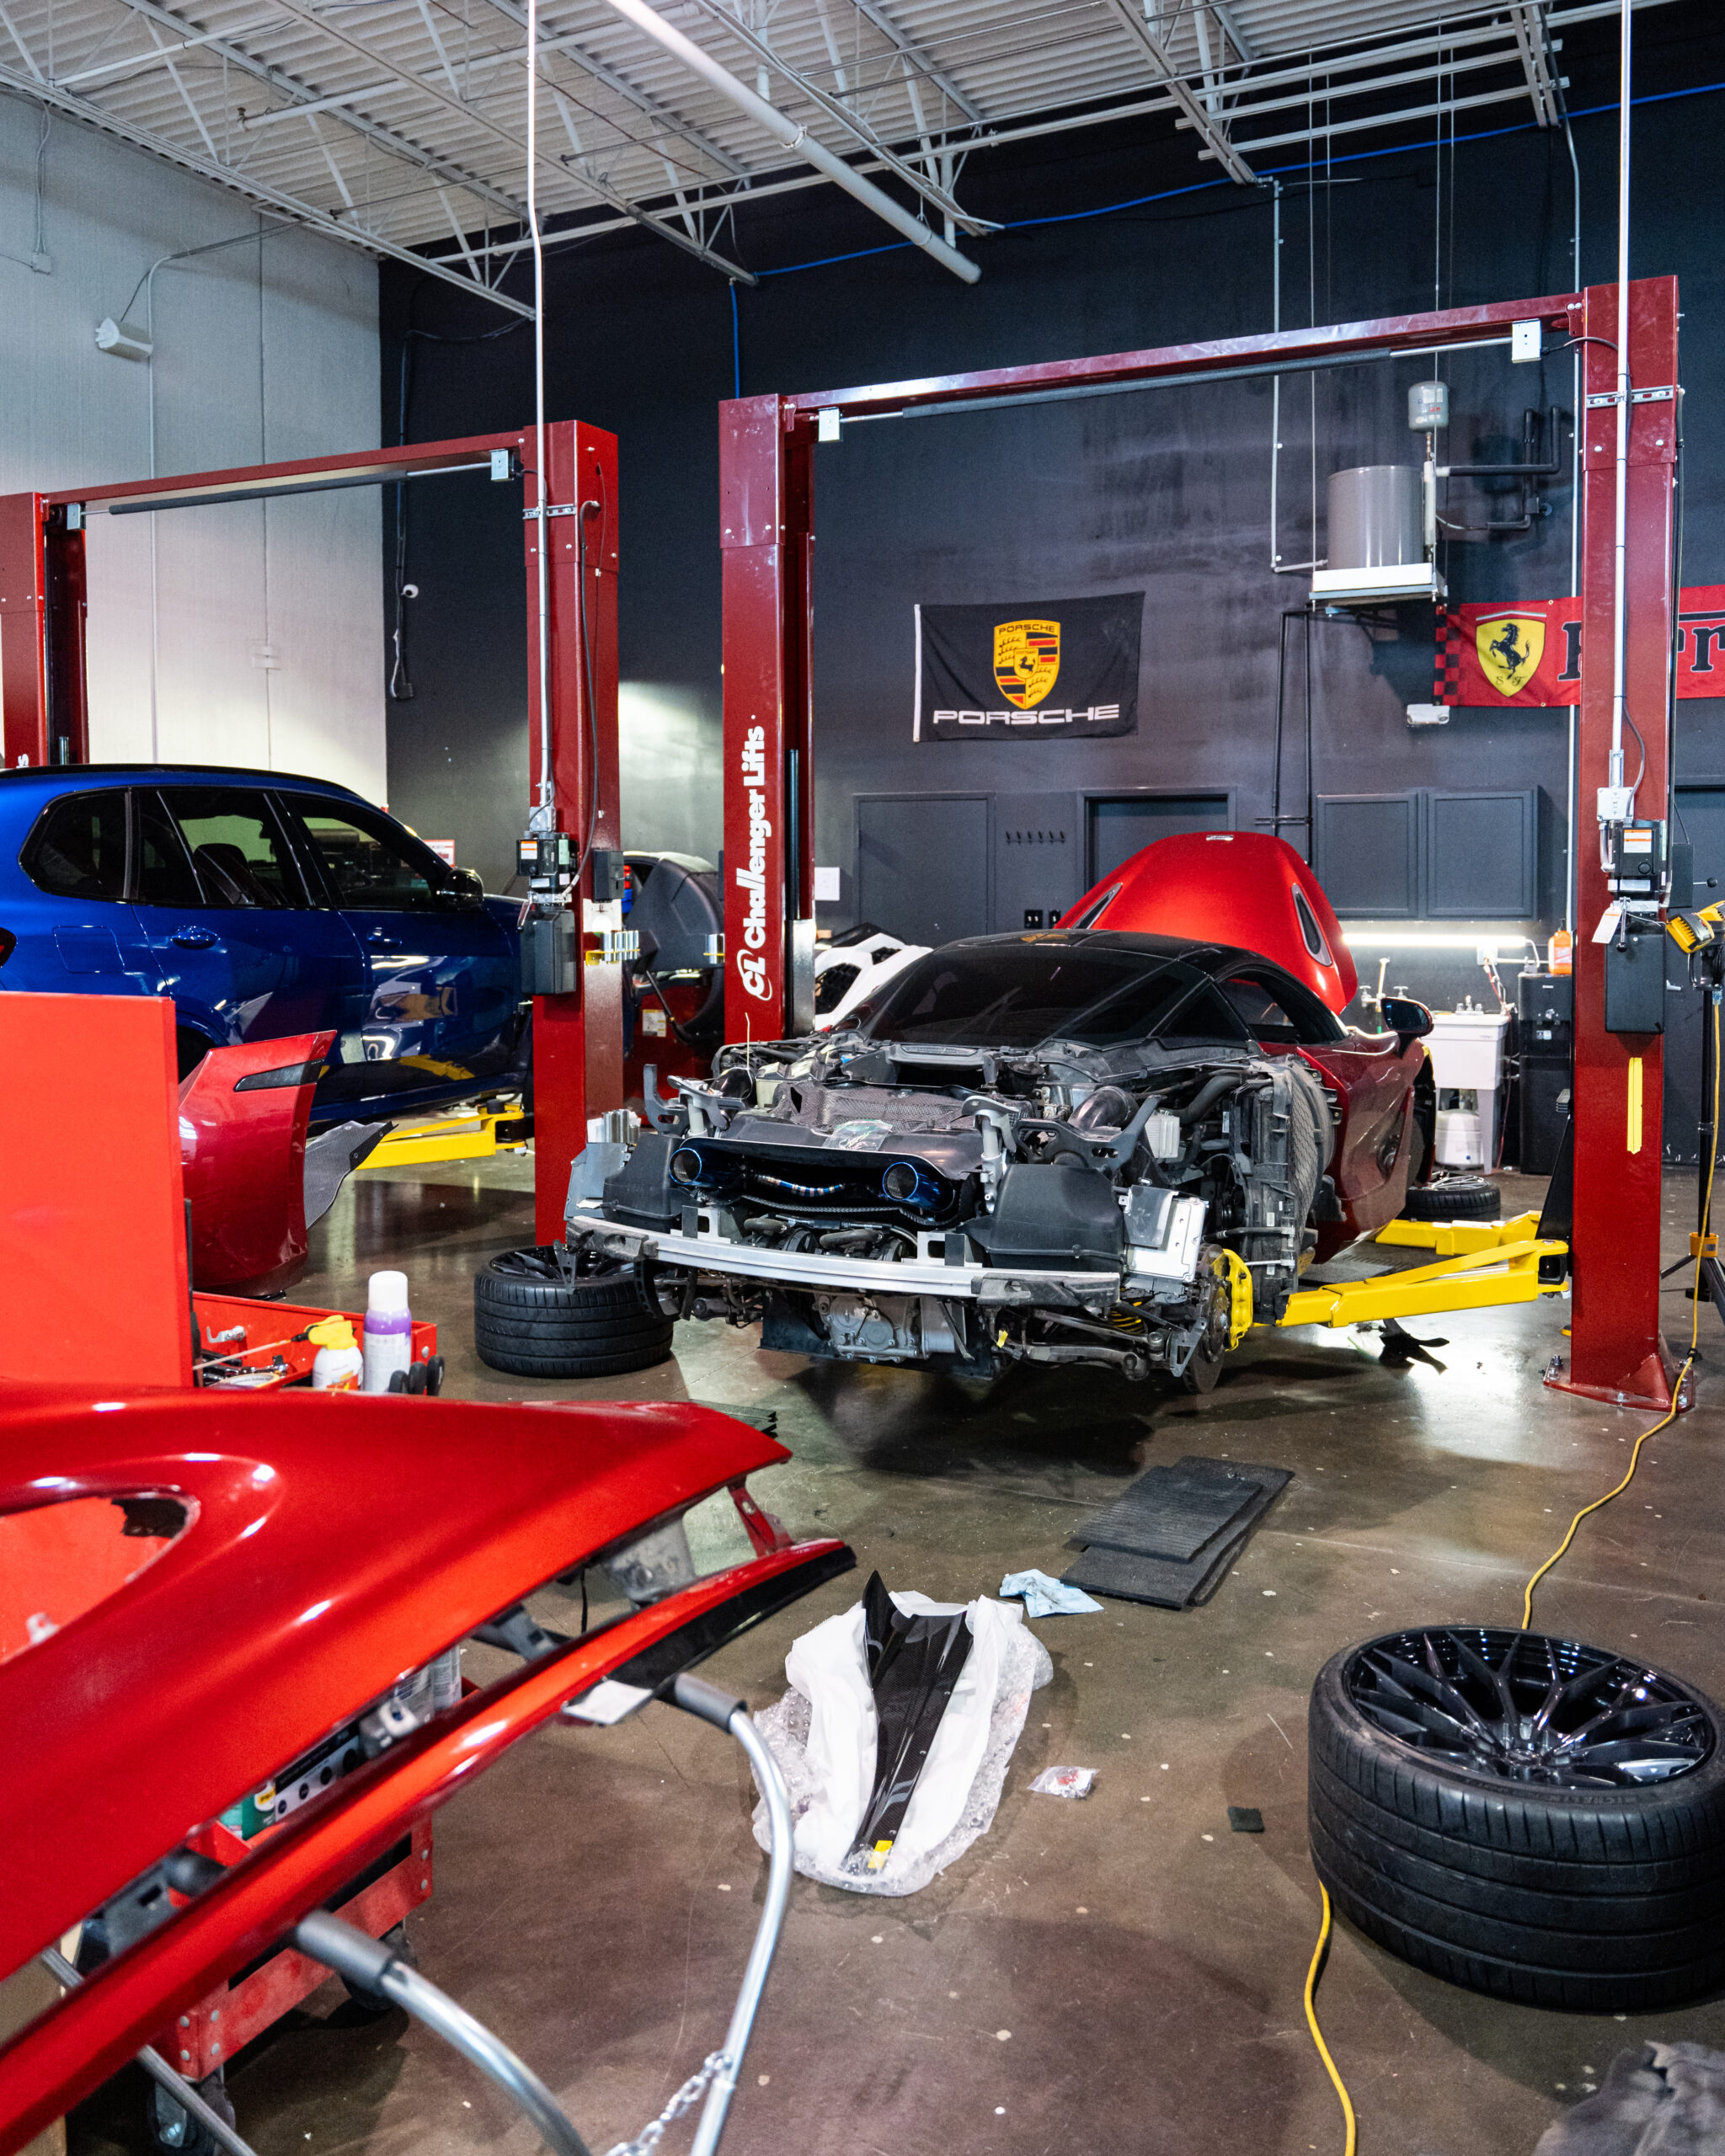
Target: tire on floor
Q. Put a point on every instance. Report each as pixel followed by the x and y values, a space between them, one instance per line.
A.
pixel 1456 1197
pixel 1540 1861
pixel 549 1313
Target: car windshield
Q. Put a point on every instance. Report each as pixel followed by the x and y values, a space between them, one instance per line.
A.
pixel 1021 995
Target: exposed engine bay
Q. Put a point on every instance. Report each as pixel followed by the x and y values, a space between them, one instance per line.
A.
pixel 1136 1205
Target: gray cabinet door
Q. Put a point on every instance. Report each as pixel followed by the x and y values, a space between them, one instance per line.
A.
pixel 923 864
pixel 1038 859
pixel 1482 859
pixel 1118 824
pixel 1367 854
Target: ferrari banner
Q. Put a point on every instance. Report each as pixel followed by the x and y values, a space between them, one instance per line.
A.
pixel 1027 672
pixel 1530 653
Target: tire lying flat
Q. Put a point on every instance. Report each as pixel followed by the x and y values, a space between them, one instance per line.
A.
pixel 1456 1197
pixel 1535 1867
pixel 546 1313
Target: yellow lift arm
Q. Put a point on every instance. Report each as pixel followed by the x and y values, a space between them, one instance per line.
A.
pixel 1485 1263
pixel 474 1137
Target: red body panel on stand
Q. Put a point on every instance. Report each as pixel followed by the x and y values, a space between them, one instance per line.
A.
pixel 766 445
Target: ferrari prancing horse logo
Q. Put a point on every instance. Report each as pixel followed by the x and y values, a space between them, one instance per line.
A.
pixel 1510 647
pixel 1026 659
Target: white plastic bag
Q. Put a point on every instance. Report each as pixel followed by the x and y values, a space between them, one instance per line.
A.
pixel 822 1732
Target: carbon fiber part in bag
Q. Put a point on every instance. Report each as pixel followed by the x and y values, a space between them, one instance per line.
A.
pixel 913 1665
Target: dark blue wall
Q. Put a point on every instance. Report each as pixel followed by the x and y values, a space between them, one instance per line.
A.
pixel 1166 489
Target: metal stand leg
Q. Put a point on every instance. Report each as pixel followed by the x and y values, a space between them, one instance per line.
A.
pixel 369 1964
pixel 159 2071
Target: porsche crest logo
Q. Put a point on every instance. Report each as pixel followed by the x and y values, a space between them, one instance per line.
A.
pixel 1510 647
pixel 1026 659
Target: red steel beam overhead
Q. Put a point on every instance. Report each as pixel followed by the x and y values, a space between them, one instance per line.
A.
pixel 1315 347
pixel 767 531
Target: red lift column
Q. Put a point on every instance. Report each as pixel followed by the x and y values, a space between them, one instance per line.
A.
pixel 577 1038
pixel 42 711
pixel 766 476
pixel 1616 1352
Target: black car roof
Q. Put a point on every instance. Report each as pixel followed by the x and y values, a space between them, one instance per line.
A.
pixel 1208 958
pixel 27 773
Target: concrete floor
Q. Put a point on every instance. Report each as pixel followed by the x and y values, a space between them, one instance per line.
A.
pixel 1119 1975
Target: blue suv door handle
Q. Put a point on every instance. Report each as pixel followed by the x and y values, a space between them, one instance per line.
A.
pixel 194 939
pixel 380 940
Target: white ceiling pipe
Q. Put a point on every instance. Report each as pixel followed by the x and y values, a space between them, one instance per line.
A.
pixel 786 131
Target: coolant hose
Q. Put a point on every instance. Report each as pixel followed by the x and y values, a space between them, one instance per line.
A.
pixel 1209 1093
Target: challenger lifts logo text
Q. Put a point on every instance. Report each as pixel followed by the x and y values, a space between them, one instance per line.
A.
pixel 751 965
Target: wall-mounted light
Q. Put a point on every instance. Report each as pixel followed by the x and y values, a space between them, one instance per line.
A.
pixel 125 340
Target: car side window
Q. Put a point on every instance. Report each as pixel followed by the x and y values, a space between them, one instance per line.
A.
pixel 1265 1018
pixel 1205 1016
pixel 371 866
pixel 1285 1013
pixel 161 867
pixel 77 849
pixel 238 848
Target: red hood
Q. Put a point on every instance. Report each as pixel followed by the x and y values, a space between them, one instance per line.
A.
pixel 1228 887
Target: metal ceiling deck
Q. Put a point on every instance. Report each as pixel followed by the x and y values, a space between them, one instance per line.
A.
pixel 399 125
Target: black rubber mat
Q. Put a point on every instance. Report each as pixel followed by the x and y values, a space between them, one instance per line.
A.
pixel 1171 1512
pixel 1141 1570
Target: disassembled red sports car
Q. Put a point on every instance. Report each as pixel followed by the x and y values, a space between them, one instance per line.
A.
pixel 1120 1141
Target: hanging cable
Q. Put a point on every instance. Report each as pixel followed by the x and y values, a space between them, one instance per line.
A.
pixel 545 813
pixel 1317 2034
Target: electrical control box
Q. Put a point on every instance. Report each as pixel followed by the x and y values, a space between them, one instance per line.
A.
pixel 551 959
pixel 547 859
pixel 1635 863
pixel 1635 985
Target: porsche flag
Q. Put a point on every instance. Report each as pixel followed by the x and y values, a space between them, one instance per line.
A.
pixel 1037 670
pixel 1532 654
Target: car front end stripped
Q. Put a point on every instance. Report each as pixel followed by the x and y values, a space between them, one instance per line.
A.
pixel 1075 1147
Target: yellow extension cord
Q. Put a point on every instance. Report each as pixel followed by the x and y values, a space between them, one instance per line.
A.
pixel 1669 1417
pixel 1317 2034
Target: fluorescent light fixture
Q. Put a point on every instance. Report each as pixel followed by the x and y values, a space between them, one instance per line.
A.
pixel 125 340
pixel 1410 939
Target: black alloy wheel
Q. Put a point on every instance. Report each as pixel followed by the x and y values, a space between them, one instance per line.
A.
pixel 1523 1815
pixel 1519 1706
pixel 549 1312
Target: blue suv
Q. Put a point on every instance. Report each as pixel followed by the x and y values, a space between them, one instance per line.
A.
pixel 264 905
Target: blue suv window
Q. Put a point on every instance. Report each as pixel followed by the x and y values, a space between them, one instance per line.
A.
pixel 78 849
pixel 161 867
pixel 236 846
pixel 369 863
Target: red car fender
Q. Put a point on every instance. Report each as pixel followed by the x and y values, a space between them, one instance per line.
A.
pixel 1242 888
pixel 1369 1080
pixel 243 1118
pixel 331 1546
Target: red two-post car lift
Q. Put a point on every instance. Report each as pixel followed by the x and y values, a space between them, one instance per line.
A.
pixel 44 712
pixel 766 524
